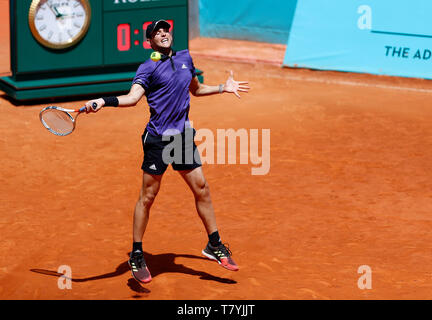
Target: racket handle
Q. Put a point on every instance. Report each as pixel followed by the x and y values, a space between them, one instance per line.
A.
pixel 94 106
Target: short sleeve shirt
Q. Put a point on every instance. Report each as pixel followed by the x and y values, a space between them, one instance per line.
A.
pixel 166 84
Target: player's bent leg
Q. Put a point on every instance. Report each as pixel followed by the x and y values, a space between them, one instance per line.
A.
pixel 197 183
pixel 149 190
pixel 148 193
pixel 218 252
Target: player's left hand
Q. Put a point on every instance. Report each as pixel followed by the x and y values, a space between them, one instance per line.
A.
pixel 235 87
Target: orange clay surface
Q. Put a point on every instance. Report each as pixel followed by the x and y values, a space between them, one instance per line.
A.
pixel 349 185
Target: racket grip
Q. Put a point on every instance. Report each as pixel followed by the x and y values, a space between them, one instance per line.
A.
pixel 94 106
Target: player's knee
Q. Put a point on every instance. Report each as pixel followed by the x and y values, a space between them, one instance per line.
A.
pixel 202 191
pixel 148 198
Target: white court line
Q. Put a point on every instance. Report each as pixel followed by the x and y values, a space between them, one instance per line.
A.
pixel 352 83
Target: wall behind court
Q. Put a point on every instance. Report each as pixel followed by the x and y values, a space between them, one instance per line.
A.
pixel 266 21
pixel 387 37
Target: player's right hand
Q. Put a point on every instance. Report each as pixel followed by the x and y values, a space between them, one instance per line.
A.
pixel 89 105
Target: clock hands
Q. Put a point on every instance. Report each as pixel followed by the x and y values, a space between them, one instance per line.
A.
pixel 58 14
pixel 60 17
pixel 54 10
pixel 68 15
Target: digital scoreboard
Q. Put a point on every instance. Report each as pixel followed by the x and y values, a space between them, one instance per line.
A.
pixel 63 48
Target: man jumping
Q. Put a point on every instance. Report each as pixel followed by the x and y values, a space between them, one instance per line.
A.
pixel 166 84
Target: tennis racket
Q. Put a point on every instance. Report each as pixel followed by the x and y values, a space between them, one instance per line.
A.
pixel 59 120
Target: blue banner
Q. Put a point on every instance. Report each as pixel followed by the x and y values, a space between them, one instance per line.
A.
pixel 389 37
pixel 266 21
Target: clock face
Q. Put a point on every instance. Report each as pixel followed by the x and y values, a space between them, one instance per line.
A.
pixel 59 24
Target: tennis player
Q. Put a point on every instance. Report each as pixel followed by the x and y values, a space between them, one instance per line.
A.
pixel 166 84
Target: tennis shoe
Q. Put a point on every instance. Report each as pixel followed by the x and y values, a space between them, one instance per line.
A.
pixel 222 254
pixel 139 268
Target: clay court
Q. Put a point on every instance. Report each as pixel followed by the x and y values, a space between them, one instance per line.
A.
pixel 349 185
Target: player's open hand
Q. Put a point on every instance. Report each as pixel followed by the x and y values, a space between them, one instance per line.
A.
pixel 235 87
pixel 90 105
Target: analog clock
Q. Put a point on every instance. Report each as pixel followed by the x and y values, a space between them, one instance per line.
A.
pixel 59 24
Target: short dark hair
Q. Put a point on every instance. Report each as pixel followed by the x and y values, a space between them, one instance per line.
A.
pixel 156 25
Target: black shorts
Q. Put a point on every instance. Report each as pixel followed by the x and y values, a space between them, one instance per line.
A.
pixel 178 150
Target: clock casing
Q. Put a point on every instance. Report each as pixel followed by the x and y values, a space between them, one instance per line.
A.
pixel 59 24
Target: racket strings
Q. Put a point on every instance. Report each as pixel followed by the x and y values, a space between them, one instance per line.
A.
pixel 58 122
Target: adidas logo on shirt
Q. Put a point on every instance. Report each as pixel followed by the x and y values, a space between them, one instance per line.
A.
pixel 184 66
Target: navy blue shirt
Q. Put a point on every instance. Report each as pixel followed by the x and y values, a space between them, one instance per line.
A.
pixel 166 84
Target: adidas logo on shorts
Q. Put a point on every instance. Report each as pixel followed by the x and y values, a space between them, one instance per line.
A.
pixel 153 167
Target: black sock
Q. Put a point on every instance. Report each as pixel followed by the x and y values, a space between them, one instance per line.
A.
pixel 137 246
pixel 214 239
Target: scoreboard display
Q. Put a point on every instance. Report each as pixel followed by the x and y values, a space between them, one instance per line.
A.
pixel 62 48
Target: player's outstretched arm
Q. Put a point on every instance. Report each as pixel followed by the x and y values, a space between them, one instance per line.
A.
pixel 128 100
pixel 231 86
